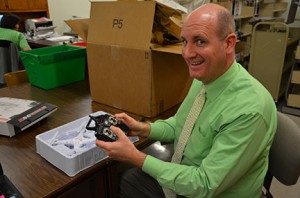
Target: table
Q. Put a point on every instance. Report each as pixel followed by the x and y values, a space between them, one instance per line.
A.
pixel 34 176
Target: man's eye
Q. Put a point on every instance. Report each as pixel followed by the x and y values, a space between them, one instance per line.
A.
pixel 200 42
pixel 184 42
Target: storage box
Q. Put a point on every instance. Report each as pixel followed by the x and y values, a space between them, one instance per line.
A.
pixel 126 71
pixel 54 66
pixel 81 44
pixel 71 147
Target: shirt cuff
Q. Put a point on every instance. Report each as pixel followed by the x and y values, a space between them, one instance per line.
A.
pixel 155 127
pixel 151 166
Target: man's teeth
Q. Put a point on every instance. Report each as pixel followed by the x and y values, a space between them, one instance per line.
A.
pixel 197 63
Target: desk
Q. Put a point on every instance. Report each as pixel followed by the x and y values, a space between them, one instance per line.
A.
pixel 34 176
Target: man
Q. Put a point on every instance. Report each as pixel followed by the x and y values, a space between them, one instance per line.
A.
pixel 226 154
pixel 9 27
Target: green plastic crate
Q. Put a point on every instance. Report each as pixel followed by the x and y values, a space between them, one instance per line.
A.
pixel 51 67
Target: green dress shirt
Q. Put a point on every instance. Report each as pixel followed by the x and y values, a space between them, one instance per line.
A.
pixel 14 36
pixel 226 155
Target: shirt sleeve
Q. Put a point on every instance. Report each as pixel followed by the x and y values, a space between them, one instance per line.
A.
pixel 23 42
pixel 237 147
pixel 163 130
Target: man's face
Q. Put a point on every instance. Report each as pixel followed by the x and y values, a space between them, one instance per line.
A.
pixel 17 27
pixel 203 51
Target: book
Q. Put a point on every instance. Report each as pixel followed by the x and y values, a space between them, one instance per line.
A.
pixel 16 114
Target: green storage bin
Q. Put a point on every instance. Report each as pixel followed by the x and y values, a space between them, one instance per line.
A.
pixel 51 67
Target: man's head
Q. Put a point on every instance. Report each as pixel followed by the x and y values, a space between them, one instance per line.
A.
pixel 208 42
pixel 10 21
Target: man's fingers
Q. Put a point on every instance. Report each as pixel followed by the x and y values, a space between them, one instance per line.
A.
pixel 118 132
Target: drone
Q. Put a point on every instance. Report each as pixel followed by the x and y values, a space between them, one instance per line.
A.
pixel 75 140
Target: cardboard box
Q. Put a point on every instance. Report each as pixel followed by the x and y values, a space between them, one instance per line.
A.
pixel 125 70
pixel 71 147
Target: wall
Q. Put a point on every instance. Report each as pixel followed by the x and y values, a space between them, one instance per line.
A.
pixel 61 10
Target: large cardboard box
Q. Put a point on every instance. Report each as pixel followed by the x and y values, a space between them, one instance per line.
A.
pixel 125 70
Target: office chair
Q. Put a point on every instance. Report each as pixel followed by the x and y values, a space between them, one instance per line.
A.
pixel 284 158
pixel 5 59
pixel 10 59
pixel 15 78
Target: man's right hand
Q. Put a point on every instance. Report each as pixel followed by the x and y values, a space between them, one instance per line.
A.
pixel 136 128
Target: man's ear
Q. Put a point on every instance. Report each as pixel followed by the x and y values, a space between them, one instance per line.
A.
pixel 230 42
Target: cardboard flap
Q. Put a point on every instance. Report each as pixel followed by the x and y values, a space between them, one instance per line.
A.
pixel 123 23
pixel 173 49
pixel 80 26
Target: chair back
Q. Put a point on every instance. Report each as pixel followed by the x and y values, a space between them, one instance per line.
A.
pixel 5 43
pixel 16 78
pixel 10 59
pixel 284 157
pixel 5 60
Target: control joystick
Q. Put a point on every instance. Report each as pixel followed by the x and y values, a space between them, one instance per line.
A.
pixel 102 125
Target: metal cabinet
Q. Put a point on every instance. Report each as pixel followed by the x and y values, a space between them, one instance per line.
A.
pixel 271 56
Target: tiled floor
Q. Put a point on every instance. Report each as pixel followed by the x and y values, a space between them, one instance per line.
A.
pixel 280 191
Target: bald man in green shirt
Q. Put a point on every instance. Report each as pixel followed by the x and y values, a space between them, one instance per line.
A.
pixel 226 155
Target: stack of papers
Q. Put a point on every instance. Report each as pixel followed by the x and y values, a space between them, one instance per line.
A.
pixel 60 38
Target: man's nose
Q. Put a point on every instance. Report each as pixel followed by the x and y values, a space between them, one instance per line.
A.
pixel 189 51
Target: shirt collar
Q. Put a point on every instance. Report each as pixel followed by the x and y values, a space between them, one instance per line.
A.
pixel 216 87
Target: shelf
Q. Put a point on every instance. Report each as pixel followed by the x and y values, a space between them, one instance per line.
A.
pixel 22 11
pixel 298 53
pixel 292 41
pixel 243 17
pixel 279 10
pixel 246 34
pixel 294 97
pixel 296 77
